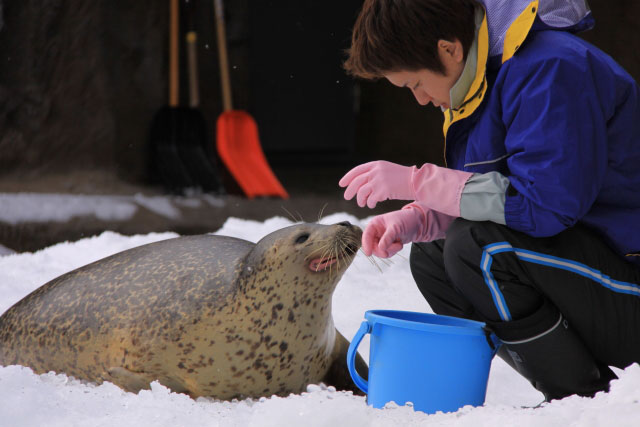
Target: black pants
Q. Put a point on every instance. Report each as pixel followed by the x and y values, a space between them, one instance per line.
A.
pixel 517 283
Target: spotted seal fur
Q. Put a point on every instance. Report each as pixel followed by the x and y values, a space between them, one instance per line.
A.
pixel 203 315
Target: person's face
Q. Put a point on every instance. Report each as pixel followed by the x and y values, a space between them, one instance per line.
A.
pixel 429 86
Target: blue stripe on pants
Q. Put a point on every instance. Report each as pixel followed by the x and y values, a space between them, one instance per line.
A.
pixel 550 261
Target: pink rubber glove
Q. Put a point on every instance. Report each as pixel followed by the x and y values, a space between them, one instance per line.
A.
pixel 385 234
pixel 376 181
pixel 436 187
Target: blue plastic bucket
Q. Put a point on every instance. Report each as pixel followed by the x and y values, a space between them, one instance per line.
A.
pixel 439 363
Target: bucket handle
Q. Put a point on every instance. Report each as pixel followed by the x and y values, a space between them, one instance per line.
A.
pixel 493 341
pixel 362 384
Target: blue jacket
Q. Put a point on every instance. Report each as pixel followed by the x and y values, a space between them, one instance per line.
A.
pixel 561 120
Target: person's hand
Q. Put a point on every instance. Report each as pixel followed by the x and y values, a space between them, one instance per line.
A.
pixel 436 187
pixel 376 181
pixel 386 234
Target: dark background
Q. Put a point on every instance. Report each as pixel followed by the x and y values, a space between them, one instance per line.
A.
pixel 80 82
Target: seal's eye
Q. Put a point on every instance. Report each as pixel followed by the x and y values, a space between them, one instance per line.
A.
pixel 302 238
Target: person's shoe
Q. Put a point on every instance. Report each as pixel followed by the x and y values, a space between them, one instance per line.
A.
pixel 557 363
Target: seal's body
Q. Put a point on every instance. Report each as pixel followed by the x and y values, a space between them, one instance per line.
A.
pixel 204 315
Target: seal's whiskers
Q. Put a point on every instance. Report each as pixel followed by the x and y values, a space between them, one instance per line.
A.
pixel 372 261
pixel 323 245
pixel 321 212
pixel 402 256
pixel 293 217
pixel 386 261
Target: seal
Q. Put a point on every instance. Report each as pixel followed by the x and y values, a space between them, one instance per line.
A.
pixel 204 315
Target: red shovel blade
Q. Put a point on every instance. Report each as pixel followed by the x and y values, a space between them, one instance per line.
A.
pixel 239 148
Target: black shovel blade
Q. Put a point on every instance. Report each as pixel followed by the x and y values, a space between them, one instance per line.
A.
pixel 166 166
pixel 192 147
pixel 177 152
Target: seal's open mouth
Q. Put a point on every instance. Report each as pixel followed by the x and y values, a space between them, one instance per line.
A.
pixel 322 264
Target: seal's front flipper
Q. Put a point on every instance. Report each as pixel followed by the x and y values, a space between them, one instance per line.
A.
pixel 128 380
pixel 338 375
pixel 176 385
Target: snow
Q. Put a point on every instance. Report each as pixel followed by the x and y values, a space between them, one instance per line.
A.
pixel 45 207
pixel 53 399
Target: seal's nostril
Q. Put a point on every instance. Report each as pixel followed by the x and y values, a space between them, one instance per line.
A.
pixel 345 224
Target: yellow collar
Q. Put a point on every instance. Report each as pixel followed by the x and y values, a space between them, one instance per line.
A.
pixel 460 89
pixel 514 37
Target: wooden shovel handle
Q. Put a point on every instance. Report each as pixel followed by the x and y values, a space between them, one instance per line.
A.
pixel 174 76
pixel 192 56
pixel 222 55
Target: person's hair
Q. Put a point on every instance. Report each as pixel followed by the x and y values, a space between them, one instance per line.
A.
pixel 402 35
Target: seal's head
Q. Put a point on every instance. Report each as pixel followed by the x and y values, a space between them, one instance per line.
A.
pixel 308 249
pixel 332 248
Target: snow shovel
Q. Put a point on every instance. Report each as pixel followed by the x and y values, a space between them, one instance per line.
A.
pixel 167 123
pixel 237 134
pixel 194 142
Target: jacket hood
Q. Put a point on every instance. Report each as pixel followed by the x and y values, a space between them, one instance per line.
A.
pixel 569 15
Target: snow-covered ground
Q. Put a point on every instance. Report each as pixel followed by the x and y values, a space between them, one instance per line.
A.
pixel 55 400
pixel 45 207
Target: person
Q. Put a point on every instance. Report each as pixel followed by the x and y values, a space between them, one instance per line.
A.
pixel 534 225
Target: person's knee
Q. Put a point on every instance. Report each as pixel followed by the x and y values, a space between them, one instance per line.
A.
pixel 465 242
pixel 460 247
pixel 463 251
pixel 430 277
pixel 425 261
pixel 468 262
pixel 424 252
pixel 458 227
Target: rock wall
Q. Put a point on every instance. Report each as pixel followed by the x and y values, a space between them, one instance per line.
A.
pixel 80 82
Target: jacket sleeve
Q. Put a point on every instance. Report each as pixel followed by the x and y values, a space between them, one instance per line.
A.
pixel 483 197
pixel 556 137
